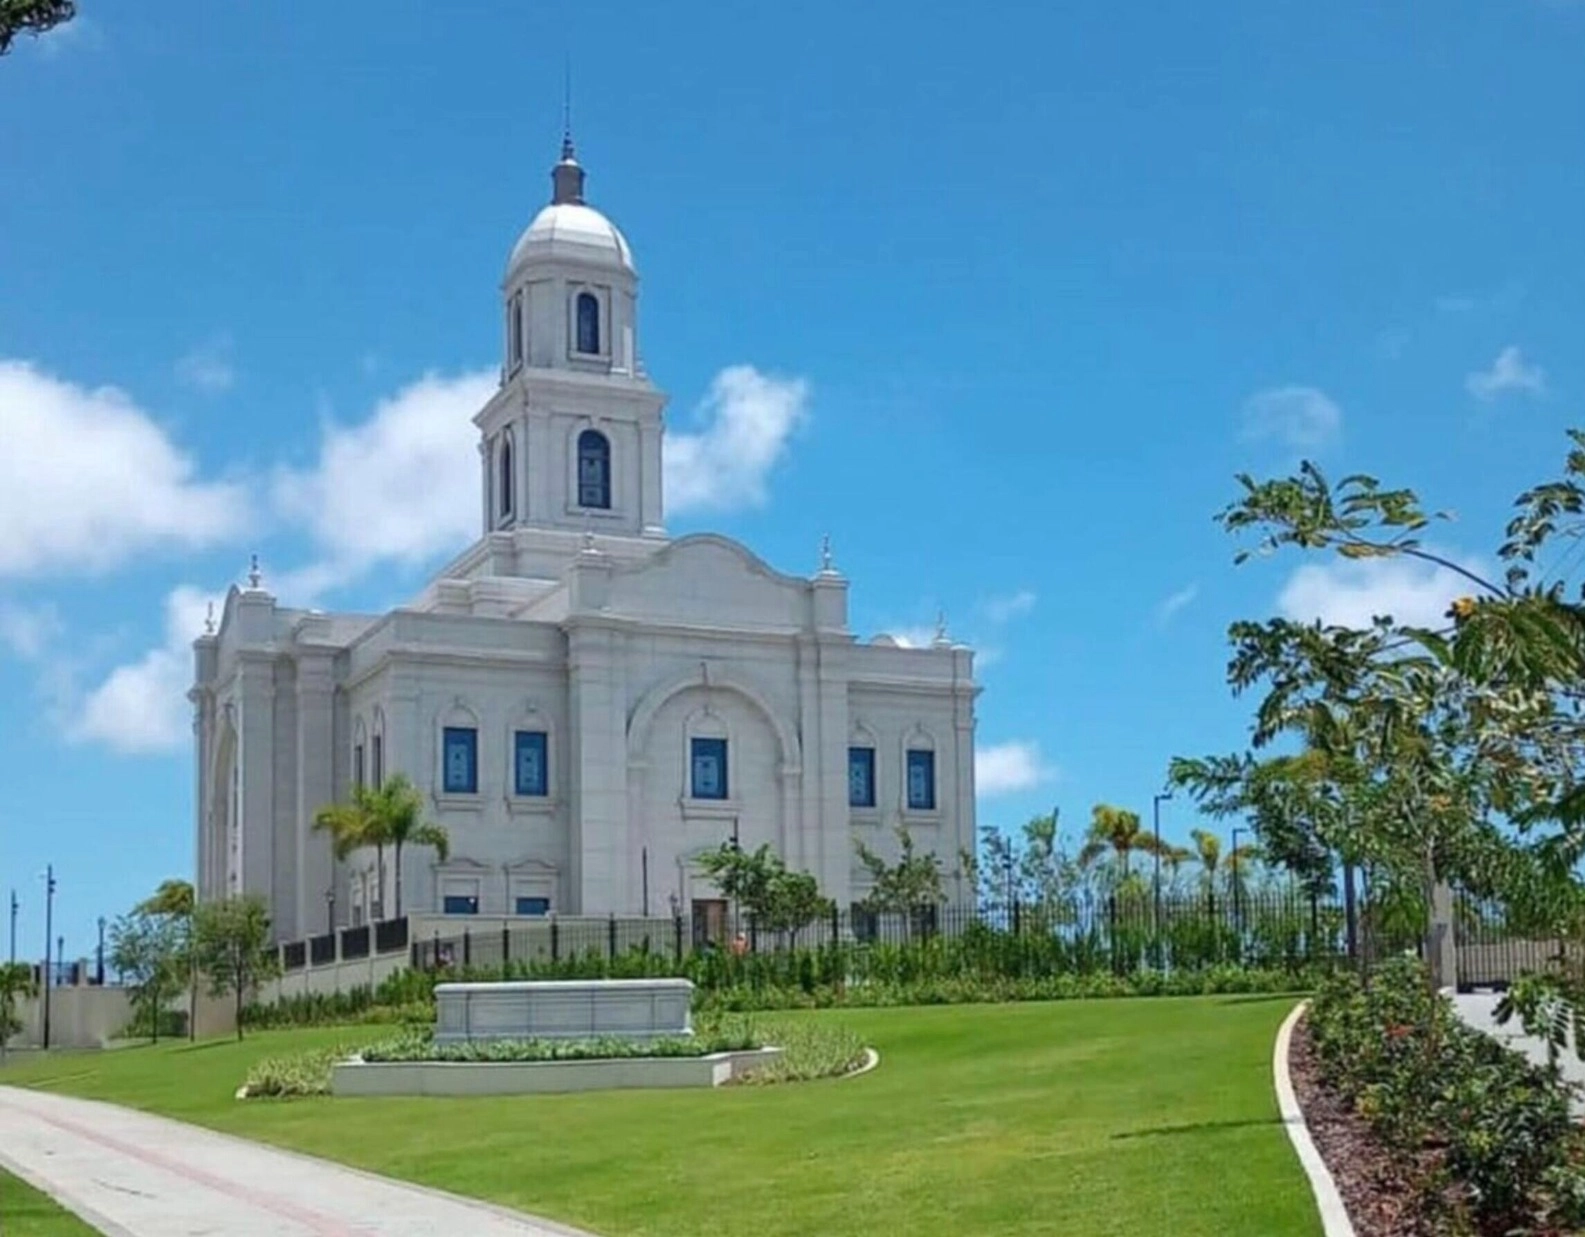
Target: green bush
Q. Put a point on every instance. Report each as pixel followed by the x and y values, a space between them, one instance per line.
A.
pixel 421 1046
pixel 303 1073
pixel 1510 1159
pixel 810 1050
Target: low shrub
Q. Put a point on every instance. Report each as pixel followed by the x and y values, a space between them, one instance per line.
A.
pixel 1505 1156
pixel 738 1037
pixel 303 1073
pixel 810 1050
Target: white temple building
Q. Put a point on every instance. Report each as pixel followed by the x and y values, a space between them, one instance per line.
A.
pixel 587 703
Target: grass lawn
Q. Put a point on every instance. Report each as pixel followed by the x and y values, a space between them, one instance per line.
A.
pixel 24 1212
pixel 1133 1117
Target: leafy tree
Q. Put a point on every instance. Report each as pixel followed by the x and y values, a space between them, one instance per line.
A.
pixel 148 951
pixel 174 900
pixel 231 939
pixel 907 886
pixel 31 16
pixel 759 882
pixel 1031 868
pixel 16 983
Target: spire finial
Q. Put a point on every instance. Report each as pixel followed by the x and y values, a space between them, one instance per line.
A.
pixel 566 178
pixel 942 640
pixel 209 620
pixel 566 109
pixel 255 576
pixel 825 554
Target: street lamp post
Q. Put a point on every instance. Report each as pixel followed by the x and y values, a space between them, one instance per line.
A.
pixel 330 910
pixel 99 965
pixel 49 930
pixel 1155 812
pixel 1238 884
pixel 14 905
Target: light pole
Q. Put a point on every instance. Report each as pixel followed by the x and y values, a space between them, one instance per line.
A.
pixel 330 910
pixel 99 965
pixel 13 927
pixel 1232 859
pixel 49 930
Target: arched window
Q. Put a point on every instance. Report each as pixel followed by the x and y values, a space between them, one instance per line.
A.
pixel 594 470
pixel 517 330
pixel 507 476
pixel 588 323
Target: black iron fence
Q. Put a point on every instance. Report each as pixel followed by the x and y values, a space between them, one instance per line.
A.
pixel 1120 934
pixel 1496 944
pixel 348 944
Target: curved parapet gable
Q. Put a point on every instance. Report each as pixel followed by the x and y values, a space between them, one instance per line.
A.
pixel 706 580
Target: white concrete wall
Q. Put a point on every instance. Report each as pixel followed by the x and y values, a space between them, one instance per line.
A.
pixel 80 1017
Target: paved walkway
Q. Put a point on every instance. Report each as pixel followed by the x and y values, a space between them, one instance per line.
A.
pixel 1476 1009
pixel 130 1174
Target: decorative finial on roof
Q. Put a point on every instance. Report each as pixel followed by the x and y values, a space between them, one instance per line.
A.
pixel 825 554
pixel 566 178
pixel 255 576
pixel 942 640
pixel 209 620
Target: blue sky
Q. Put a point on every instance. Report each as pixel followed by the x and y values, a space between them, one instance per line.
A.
pixel 1020 288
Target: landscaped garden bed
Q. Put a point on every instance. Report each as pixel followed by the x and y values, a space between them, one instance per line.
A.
pixel 737 1051
pixel 1429 1128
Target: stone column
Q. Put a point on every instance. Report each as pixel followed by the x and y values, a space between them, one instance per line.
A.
pixel 316 786
pixel 1443 953
pixel 598 733
pixel 256 773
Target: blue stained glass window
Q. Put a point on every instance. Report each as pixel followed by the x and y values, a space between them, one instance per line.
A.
pixel 594 470
pixel 533 906
pixel 588 323
pixel 861 777
pixel 532 774
pixel 461 773
pixel 708 769
pixel 922 781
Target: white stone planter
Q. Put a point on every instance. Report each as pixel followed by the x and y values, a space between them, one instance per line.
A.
pixel 365 1078
pixel 637 1009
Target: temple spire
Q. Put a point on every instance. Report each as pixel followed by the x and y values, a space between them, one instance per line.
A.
pixel 566 177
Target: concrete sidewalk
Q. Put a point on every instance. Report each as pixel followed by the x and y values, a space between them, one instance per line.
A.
pixel 1479 1010
pixel 131 1174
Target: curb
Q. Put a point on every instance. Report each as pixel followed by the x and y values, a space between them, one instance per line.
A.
pixel 1334 1216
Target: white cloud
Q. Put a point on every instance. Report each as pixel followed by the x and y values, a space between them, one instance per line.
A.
pixel 1510 372
pixel 28 630
pixel 914 637
pixel 746 420
pixel 1303 418
pixel 141 708
pixel 402 486
pixel 1004 609
pixel 88 479
pixel 1352 593
pixel 1170 606
pixel 1005 768
pixel 208 368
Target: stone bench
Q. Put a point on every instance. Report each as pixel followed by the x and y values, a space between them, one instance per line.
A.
pixel 635 1009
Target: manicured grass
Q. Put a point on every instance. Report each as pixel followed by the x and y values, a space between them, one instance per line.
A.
pixel 24 1212
pixel 1078 1117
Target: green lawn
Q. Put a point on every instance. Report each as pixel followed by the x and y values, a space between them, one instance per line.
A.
pixel 1120 1117
pixel 24 1212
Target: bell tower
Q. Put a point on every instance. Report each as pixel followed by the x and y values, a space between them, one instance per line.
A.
pixel 572 440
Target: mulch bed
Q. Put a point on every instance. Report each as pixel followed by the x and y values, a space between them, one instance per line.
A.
pixel 1384 1197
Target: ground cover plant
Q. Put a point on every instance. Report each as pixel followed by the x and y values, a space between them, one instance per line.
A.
pixel 1097 1118
pixel 1485 1136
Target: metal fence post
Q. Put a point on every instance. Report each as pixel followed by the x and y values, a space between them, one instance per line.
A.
pixel 836 925
pixel 676 927
pixel 467 947
pixel 1018 920
pixel 506 947
pixel 555 940
pixel 611 937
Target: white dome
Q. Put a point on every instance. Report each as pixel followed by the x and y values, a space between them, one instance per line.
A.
pixel 569 231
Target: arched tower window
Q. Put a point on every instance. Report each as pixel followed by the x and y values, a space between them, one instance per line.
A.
pixel 594 470
pixel 508 477
pixel 588 323
pixel 517 330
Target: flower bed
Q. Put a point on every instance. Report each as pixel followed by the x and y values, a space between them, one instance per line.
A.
pixel 1479 1139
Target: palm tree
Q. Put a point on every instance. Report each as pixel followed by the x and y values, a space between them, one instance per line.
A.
pixel 399 821
pixel 1116 830
pixel 352 826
